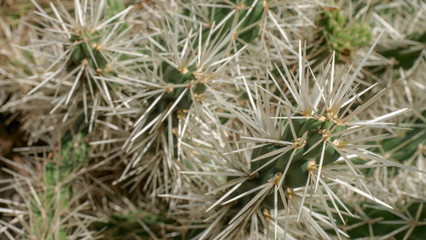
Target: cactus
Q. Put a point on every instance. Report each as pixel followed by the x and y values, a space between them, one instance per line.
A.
pixel 57 196
pixel 299 149
pixel 242 19
pixel 403 146
pixel 46 206
pixel 297 173
pixel 218 119
pixel 143 224
pixel 90 41
pixel 400 147
pixel 407 223
pixel 86 43
pixel 248 29
pixel 342 37
pixel 178 82
pixel 246 18
pixel 403 54
pixel 81 53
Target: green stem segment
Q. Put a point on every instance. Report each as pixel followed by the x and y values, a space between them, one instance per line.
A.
pixel 300 155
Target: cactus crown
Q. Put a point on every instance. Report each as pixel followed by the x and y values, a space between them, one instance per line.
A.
pixel 340 36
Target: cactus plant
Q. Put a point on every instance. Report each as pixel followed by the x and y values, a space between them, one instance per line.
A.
pixel 47 210
pixel 342 37
pixel 89 43
pixel 376 222
pixel 179 80
pixel 292 145
pixel 218 119
pixel 57 196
